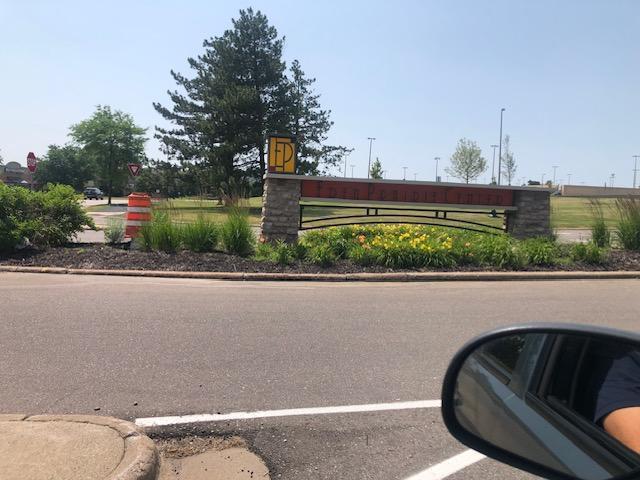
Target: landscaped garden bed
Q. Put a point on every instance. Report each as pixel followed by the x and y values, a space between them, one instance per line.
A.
pixel 37 226
pixel 106 257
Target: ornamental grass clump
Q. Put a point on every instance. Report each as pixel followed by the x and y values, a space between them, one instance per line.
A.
pixel 201 235
pixel 236 234
pixel 600 234
pixel 628 210
pixel 164 235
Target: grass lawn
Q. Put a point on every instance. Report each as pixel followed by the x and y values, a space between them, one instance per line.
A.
pixel 566 212
pixel 572 212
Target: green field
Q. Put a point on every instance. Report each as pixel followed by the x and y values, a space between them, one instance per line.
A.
pixel 566 212
pixel 571 212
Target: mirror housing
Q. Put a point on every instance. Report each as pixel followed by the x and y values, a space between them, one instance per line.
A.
pixel 469 387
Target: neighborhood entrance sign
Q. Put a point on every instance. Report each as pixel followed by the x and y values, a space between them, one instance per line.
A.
pixel 282 154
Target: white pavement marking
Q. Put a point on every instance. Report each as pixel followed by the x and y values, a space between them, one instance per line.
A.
pixel 448 467
pixel 375 407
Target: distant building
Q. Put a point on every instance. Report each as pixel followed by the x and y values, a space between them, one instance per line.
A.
pixel 15 174
pixel 593 191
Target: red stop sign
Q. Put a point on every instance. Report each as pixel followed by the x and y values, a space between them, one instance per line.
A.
pixel 32 162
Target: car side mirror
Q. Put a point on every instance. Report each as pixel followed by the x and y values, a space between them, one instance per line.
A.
pixel 559 401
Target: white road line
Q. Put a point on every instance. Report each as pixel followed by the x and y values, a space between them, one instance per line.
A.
pixel 375 407
pixel 448 467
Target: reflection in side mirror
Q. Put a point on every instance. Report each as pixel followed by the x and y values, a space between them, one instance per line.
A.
pixel 559 402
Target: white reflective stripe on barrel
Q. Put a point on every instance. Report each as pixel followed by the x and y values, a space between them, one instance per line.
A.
pixel 135 223
pixel 139 209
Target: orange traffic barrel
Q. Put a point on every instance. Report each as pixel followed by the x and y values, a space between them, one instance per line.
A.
pixel 138 213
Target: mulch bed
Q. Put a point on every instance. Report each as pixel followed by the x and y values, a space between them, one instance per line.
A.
pixel 114 258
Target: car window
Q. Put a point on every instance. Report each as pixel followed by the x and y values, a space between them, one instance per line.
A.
pixel 504 353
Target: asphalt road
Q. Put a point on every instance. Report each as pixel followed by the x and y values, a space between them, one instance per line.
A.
pixel 136 347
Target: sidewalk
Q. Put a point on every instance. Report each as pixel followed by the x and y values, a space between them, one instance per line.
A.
pixel 74 447
pixel 83 447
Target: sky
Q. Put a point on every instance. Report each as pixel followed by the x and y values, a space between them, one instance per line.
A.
pixel 416 75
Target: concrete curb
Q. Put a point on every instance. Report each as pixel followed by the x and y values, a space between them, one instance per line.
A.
pixel 140 460
pixel 340 277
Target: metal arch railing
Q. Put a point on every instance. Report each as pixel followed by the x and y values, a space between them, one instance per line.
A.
pixel 370 213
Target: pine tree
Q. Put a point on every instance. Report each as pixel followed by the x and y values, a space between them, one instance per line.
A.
pixel 376 170
pixel 310 124
pixel 235 99
pixel 239 95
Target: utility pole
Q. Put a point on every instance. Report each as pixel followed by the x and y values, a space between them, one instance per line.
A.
pixel 613 177
pixel 415 177
pixel 493 164
pixel 555 167
pixel 352 167
pixel 635 169
pixel 404 175
pixel 569 181
pixel 500 147
pixel 437 159
pixel 542 181
pixel 371 139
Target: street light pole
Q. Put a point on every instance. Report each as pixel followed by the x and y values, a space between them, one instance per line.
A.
pixel 415 176
pixel 555 167
pixel 500 147
pixel 569 181
pixel 437 159
pixel 352 167
pixel 635 169
pixel 371 139
pixel 493 164
pixel 346 154
pixel 404 175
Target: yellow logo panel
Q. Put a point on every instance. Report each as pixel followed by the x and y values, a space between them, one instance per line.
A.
pixel 282 155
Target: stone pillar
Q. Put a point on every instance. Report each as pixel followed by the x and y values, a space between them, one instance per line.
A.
pixel 533 215
pixel 280 208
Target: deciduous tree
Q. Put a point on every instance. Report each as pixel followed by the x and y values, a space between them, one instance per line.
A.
pixel 467 162
pixel 509 166
pixel 111 139
pixel 65 165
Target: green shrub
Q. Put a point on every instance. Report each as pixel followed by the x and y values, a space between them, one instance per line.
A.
pixel 322 255
pixel 588 253
pixel 299 250
pixel 628 210
pixel 263 252
pixel 200 236
pixel 362 256
pixel 114 233
pixel 236 234
pixel 539 251
pixel 283 253
pixel 46 218
pixel 498 251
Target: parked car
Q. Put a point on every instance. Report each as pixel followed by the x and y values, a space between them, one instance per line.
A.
pixel 92 193
pixel 542 399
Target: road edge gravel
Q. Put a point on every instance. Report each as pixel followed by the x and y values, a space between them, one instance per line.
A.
pixel 338 277
pixel 140 460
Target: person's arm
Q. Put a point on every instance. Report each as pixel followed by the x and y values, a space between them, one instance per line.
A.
pixel 624 425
